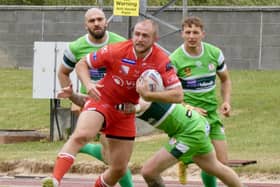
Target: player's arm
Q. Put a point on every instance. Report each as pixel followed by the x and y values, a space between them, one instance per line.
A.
pixel 172 95
pixel 64 75
pixel 82 70
pixel 139 108
pixel 173 92
pixel 77 98
pixel 225 92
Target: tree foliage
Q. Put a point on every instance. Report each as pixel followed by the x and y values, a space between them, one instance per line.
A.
pixel 150 2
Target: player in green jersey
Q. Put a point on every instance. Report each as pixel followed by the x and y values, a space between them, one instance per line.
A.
pixel 97 37
pixel 197 64
pixel 189 141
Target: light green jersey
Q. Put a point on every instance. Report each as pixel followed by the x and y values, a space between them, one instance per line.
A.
pixel 173 119
pixel 81 47
pixel 188 131
pixel 198 74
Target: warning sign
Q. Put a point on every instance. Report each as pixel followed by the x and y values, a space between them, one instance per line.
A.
pixel 126 7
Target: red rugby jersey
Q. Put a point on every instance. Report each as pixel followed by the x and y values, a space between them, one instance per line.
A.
pixel 123 69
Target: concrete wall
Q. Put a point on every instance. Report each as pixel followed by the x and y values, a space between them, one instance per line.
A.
pixel 249 36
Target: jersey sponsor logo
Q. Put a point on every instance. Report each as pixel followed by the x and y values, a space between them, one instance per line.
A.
pixel 169 66
pixel 202 83
pixel 94 56
pixel 188 71
pixel 118 81
pixel 128 61
pixel 129 84
pixel 97 74
pixel 183 148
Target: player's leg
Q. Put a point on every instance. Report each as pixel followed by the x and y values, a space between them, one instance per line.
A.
pixel 80 136
pixel 153 167
pixel 101 153
pixel 209 163
pixel 218 139
pixel 120 151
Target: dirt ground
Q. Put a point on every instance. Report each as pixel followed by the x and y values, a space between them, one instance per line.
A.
pixel 26 168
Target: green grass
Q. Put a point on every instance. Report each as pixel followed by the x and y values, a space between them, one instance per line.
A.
pixel 252 130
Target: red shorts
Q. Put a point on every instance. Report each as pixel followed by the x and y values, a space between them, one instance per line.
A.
pixel 117 124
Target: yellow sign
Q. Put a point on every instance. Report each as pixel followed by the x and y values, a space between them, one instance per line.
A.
pixel 126 7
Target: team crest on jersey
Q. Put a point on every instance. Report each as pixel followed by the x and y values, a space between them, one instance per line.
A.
pixel 124 69
pixel 211 67
pixel 188 71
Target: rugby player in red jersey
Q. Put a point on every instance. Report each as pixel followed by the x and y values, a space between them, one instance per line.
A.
pixel 124 62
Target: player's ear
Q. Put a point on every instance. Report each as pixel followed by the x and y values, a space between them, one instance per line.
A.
pixel 203 34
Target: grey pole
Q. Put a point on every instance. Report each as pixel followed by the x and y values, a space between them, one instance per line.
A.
pixel 185 8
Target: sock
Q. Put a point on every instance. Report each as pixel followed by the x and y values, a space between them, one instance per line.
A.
pixel 126 180
pixel 92 150
pixel 208 180
pixel 95 151
pixel 63 163
pixel 100 182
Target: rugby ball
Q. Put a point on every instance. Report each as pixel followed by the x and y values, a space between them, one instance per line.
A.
pixel 154 79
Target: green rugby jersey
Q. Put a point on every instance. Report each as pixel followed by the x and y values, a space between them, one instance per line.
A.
pixel 173 118
pixel 198 74
pixel 81 47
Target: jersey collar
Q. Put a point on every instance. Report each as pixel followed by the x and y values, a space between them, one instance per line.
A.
pixel 150 52
pixel 189 55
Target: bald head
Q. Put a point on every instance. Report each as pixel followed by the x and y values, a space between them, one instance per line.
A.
pixel 96 24
pixel 94 12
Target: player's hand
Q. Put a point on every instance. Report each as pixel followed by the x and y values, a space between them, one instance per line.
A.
pixel 126 108
pixel 93 92
pixel 225 109
pixel 142 87
pixel 65 92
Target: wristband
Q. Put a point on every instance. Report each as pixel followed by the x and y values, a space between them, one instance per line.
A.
pixel 137 108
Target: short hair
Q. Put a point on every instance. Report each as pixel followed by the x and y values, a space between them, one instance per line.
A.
pixel 192 20
pixel 153 23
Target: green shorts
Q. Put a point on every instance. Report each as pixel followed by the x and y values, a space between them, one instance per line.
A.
pixel 185 145
pixel 217 131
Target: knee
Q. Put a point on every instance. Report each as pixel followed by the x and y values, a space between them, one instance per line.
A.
pixel 80 139
pixel 223 161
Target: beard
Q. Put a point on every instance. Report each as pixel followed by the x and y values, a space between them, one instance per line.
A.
pixel 97 35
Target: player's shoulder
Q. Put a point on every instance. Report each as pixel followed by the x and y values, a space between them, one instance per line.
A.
pixel 73 45
pixel 159 53
pixel 211 47
pixel 120 46
pixel 177 52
